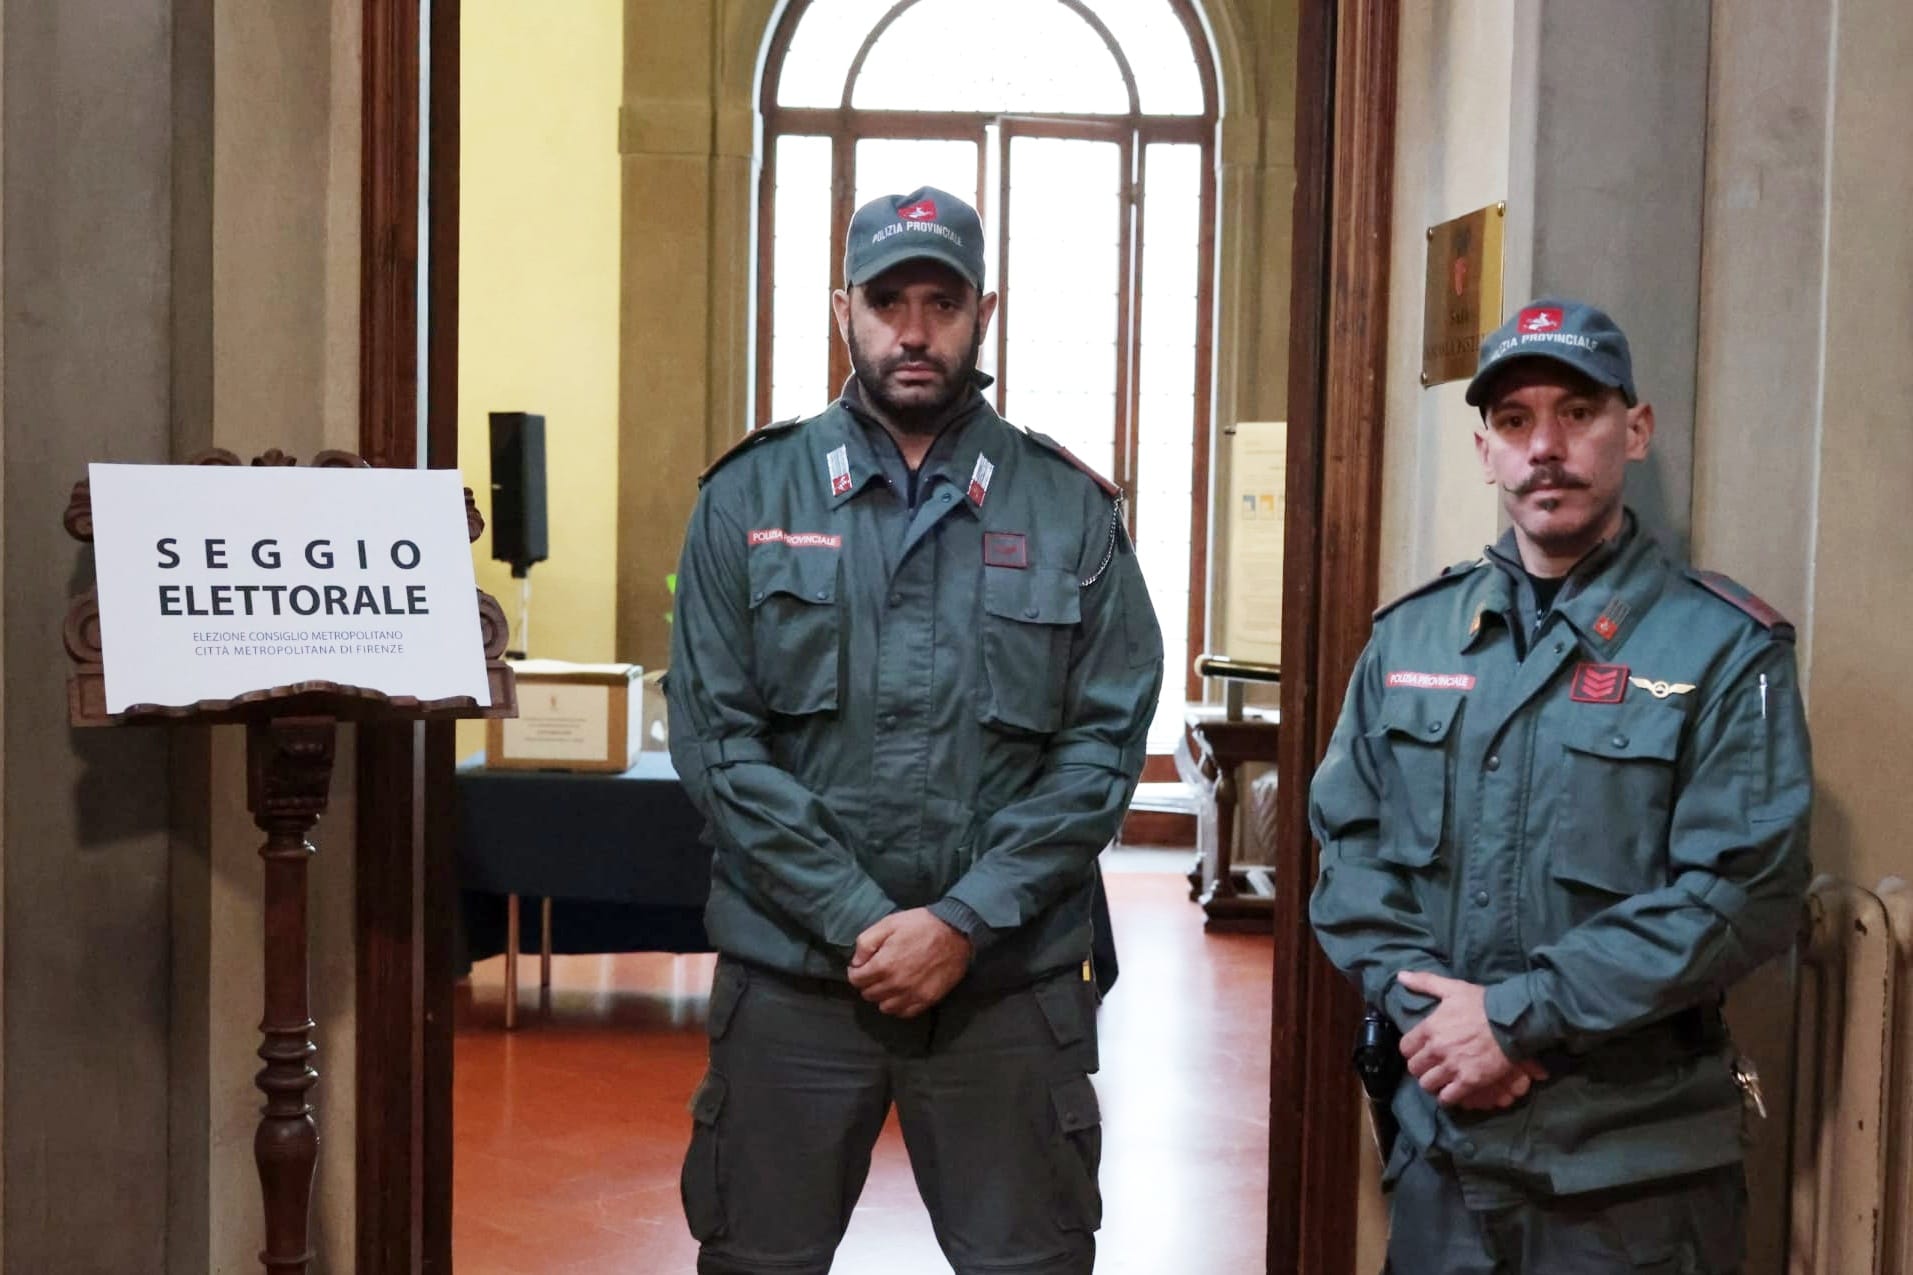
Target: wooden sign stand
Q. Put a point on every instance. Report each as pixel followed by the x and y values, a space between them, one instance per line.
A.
pixel 290 733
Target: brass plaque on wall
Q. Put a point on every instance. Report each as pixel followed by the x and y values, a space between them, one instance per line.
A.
pixel 1463 303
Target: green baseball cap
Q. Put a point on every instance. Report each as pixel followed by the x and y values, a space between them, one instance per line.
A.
pixel 1567 331
pixel 926 224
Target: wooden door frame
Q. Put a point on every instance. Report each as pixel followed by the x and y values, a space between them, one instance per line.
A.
pixel 1338 346
pixel 404 884
pixel 1344 152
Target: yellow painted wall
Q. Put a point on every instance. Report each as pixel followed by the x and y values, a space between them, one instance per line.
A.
pixel 538 294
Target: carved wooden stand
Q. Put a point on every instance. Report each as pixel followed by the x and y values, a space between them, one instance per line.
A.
pixel 290 734
pixel 288 770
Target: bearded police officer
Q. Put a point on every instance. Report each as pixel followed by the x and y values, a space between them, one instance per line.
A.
pixel 911 675
pixel 1564 809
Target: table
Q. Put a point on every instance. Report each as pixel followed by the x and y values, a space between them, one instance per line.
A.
pixel 1233 898
pixel 621 854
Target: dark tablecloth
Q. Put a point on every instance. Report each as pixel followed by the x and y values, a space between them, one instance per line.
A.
pixel 618 854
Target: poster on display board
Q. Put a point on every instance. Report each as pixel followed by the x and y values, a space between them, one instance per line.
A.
pixel 1258 479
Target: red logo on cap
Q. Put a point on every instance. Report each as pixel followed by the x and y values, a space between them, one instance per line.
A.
pixel 1540 319
pixel 922 210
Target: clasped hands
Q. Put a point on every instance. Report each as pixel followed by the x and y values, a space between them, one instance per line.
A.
pixel 1453 1053
pixel 909 961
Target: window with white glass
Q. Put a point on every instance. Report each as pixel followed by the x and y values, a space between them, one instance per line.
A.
pixel 1084 132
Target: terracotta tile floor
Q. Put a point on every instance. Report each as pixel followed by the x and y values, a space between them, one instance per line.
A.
pixel 569 1131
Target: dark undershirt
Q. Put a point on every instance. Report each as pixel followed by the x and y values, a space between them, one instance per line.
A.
pixel 1546 588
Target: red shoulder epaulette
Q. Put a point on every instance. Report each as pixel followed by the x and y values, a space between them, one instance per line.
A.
pixel 1449 575
pixel 1731 592
pixel 745 443
pixel 1110 489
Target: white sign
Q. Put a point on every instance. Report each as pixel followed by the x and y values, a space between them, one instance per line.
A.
pixel 1258 473
pixel 216 580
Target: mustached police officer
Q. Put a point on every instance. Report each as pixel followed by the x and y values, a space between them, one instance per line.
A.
pixel 912 671
pixel 1564 809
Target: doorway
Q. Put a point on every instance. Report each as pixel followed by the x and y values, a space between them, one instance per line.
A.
pixel 1343 150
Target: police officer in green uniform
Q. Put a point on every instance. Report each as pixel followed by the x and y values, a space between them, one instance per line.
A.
pixel 912 671
pixel 1564 809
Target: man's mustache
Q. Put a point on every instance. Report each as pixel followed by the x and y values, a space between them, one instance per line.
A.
pixel 1549 476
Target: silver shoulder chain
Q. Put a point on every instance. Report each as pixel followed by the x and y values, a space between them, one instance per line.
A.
pixel 1109 551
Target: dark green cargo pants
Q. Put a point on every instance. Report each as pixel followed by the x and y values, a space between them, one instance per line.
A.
pixel 992 1091
pixel 1692 1225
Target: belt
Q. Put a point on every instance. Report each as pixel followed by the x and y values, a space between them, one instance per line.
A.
pixel 842 989
pixel 1676 1038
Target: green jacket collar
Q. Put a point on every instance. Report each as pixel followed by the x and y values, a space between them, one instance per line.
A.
pixel 1606 593
pixel 972 431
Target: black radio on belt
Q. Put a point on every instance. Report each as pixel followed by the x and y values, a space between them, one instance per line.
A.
pixel 1378 1056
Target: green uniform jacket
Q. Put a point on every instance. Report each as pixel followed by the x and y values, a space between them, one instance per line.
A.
pixel 879 706
pixel 1602 819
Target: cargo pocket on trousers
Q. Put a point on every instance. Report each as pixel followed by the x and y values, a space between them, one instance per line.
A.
pixel 1695 1227
pixel 1068 1005
pixel 701 1185
pixel 727 989
pixel 1078 1153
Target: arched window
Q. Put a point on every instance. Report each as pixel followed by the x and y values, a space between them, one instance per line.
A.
pixel 1084 132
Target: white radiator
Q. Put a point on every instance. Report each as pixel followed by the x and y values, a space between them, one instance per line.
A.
pixel 1851 1158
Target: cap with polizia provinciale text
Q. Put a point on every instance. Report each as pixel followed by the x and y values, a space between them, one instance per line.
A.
pixel 926 224
pixel 1566 331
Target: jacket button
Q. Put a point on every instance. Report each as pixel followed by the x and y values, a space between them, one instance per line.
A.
pixel 946 497
pixel 1619 741
pixel 889 721
pixel 1434 728
pixel 896 599
pixel 1481 898
pixel 823 596
pixel 1467 1148
pixel 758 596
pixel 1494 762
pixel 1029 613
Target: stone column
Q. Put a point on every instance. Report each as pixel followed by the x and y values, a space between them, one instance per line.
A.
pixel 87 330
pixel 1606 169
pixel 667 309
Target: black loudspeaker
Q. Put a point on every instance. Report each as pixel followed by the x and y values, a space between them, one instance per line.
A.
pixel 519 534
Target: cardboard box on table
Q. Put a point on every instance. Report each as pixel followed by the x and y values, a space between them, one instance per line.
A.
pixel 576 717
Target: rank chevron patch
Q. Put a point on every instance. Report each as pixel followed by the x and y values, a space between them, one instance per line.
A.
pixel 1599 683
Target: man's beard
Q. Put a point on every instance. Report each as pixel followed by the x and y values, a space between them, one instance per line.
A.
pixel 925 416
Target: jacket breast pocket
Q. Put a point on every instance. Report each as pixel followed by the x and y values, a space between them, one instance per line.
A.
pixel 797 629
pixel 1616 794
pixel 1029 618
pixel 1411 751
